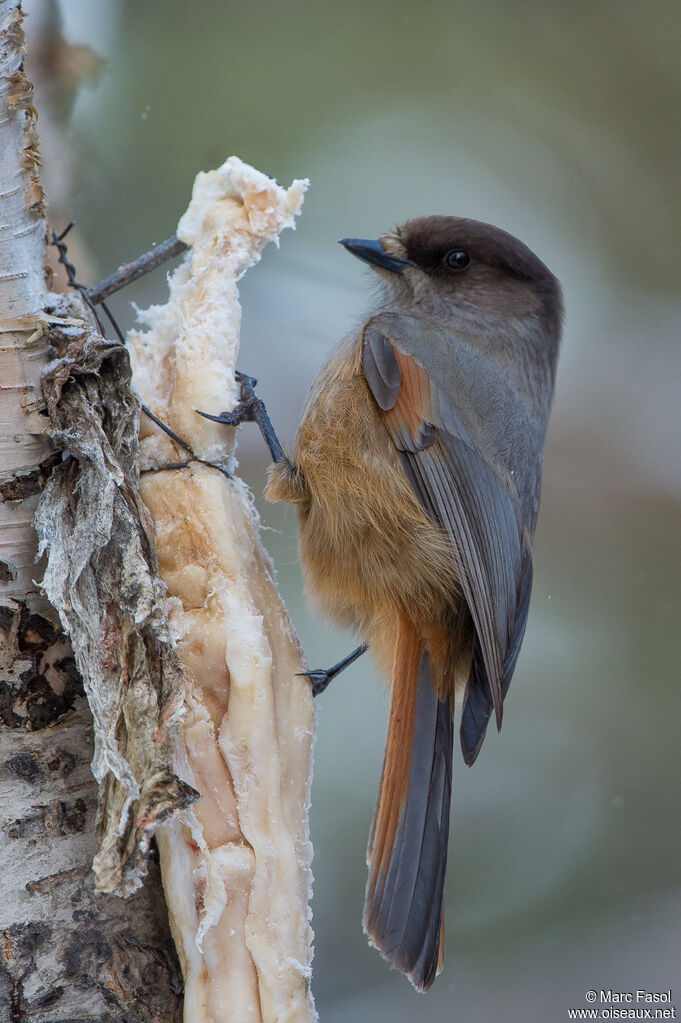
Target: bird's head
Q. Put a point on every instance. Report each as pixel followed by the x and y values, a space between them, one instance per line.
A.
pixel 463 271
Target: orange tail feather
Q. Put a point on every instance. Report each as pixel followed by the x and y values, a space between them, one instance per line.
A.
pixel 408 844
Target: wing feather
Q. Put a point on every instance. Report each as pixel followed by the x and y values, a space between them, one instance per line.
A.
pixel 475 505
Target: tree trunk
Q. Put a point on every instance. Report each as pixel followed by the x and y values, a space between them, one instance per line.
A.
pixel 67 953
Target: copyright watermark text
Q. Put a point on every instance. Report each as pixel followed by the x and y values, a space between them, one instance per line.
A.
pixel 638 1004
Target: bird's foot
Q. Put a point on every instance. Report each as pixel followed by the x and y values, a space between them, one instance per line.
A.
pixel 250 409
pixel 320 677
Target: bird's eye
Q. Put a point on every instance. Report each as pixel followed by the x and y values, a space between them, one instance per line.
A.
pixel 457 259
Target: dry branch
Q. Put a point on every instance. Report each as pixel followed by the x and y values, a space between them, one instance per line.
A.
pixel 129 272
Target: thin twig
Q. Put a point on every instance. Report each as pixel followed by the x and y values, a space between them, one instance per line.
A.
pixel 183 444
pixel 166 429
pixel 162 468
pixel 117 280
pixel 62 249
pixel 130 272
pixel 112 320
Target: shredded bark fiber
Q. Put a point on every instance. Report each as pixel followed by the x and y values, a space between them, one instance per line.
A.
pixel 102 576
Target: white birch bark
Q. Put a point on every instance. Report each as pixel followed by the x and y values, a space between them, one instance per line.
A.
pixel 23 344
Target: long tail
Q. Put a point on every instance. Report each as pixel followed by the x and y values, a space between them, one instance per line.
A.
pixel 407 851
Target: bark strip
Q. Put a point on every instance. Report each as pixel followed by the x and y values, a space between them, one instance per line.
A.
pixel 102 576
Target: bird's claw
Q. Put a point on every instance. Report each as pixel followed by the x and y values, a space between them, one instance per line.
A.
pixel 319 679
pixel 246 382
pixel 244 410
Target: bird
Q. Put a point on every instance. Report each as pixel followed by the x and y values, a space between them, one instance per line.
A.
pixel 416 475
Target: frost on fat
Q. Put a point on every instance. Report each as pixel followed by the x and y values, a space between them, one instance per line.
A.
pixel 186 358
pixel 237 864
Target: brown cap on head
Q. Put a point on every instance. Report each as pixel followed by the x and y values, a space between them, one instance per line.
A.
pixel 463 254
pixel 427 240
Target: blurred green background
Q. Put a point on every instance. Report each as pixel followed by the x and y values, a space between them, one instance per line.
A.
pixel 560 123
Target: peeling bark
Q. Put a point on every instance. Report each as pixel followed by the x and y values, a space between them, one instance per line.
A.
pixel 102 576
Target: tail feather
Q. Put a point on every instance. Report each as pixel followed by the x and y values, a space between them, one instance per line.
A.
pixel 408 845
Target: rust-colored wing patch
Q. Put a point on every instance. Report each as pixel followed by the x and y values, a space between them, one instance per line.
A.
pixel 413 408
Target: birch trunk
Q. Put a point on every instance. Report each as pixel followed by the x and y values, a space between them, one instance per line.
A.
pixel 66 952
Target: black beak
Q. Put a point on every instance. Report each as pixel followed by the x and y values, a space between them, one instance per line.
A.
pixel 374 253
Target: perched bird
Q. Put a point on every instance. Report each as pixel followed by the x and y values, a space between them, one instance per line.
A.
pixel 417 472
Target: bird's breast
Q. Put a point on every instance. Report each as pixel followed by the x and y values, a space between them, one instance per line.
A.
pixel 366 544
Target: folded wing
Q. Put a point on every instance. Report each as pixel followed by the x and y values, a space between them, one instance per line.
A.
pixel 477 507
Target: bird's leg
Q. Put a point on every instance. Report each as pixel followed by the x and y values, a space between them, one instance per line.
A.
pixel 320 678
pixel 250 409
